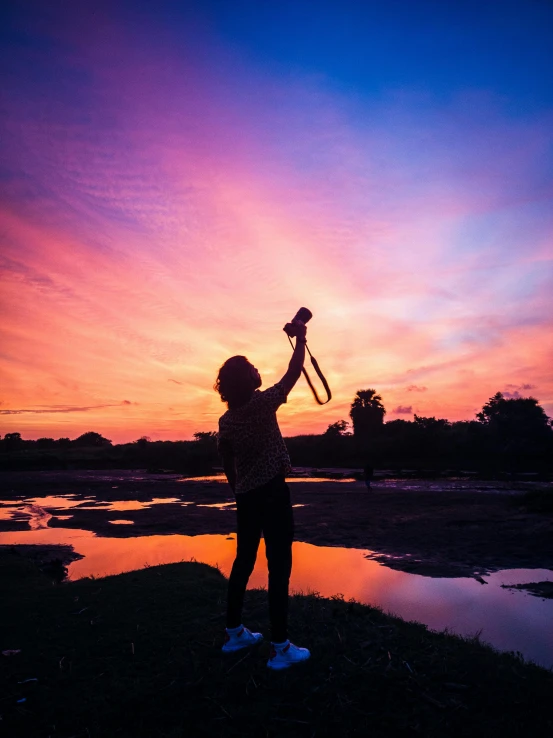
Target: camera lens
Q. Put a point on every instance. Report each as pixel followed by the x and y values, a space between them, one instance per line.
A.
pixel 303 314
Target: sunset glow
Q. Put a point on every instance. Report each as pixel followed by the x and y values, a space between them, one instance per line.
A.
pixel 176 184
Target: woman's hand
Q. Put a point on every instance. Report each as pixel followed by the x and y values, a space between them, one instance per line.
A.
pixel 300 330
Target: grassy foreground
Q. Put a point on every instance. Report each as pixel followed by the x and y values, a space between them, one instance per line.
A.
pixel 139 655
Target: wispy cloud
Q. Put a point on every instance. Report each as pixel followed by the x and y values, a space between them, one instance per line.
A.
pixel 59 409
pixel 517 391
pixel 158 220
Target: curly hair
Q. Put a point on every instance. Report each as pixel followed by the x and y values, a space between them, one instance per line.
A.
pixel 234 381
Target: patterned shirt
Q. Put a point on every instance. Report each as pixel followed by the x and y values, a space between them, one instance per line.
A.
pixel 252 432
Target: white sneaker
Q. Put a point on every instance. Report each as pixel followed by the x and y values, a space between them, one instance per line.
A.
pixel 243 639
pixel 284 656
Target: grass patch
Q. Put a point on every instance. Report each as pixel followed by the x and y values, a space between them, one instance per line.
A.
pixel 139 655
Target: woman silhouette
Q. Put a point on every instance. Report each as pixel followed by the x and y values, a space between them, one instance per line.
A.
pixel 256 461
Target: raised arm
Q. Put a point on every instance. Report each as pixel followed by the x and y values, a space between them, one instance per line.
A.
pixel 296 362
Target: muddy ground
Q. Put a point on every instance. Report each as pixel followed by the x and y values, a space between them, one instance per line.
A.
pixel 436 528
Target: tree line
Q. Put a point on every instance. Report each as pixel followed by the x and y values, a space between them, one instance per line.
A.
pixel 508 434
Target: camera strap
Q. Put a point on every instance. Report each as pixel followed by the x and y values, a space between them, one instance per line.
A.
pixel 319 374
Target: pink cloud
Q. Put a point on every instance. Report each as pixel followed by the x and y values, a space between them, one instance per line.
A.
pixel 169 223
pixel 403 410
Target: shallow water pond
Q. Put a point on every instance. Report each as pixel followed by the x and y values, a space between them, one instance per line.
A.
pixel 509 620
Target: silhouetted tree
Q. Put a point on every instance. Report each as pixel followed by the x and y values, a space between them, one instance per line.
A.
pixel 45 443
pixel 514 418
pixel 203 452
pixel 431 425
pixel 340 428
pixel 398 424
pixel 469 439
pixel 205 436
pixel 13 441
pixel 91 439
pixel 399 431
pixel 64 442
pixel 367 413
pixel 142 442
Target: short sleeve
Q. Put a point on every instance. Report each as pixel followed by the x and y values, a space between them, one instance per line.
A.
pixel 273 397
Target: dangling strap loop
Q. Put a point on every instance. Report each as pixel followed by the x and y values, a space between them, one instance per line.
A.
pixel 319 374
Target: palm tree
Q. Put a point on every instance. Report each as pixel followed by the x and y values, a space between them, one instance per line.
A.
pixel 367 413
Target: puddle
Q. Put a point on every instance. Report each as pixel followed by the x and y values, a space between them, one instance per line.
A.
pixel 219 505
pixel 509 620
pixel 11 508
pixel 124 505
pixel 291 480
pixel 210 478
pixel 54 501
pixel 223 480
pixel 121 522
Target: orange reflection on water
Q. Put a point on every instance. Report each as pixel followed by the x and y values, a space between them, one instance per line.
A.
pixel 222 479
pixel 61 502
pixel 121 522
pixel 208 478
pixel 461 605
pixel 316 569
pixel 323 569
pixel 320 479
pixel 57 501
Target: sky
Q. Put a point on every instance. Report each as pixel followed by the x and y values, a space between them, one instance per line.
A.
pixel 177 179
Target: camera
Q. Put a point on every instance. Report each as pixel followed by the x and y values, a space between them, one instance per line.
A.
pixel 302 316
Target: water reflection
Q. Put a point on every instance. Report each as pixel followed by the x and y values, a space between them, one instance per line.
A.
pixel 36 506
pixel 38 517
pixel 510 620
pixel 219 478
pixel 55 501
pixel 219 505
pixel 126 505
pixel 209 478
pixel 321 479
